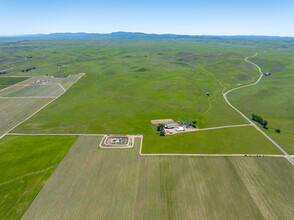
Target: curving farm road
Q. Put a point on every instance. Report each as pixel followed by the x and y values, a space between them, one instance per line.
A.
pixel 253 124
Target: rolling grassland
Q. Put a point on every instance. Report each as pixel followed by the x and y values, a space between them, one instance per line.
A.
pixel 131 83
pixel 272 98
pixel 128 83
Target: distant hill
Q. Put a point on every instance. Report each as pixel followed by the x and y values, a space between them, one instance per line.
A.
pixel 138 35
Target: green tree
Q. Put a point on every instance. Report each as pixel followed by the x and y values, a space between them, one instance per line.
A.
pixel 264 123
pixel 160 127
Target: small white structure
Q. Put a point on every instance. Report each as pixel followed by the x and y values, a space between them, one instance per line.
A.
pixel 40 82
pixel 180 129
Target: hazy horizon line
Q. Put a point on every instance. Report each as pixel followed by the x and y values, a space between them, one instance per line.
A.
pixel 138 32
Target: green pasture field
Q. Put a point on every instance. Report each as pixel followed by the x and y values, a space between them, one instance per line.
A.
pixel 8 81
pixel 63 72
pixel 272 98
pixel 130 83
pixel 26 162
pixel 238 140
pixel 127 84
pixel 88 184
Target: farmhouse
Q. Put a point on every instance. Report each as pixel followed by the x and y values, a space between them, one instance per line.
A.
pixel 169 126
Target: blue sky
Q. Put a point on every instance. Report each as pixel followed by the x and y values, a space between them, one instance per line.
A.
pixel 194 17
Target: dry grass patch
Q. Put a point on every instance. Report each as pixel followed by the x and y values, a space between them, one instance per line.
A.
pixel 14 110
pixel 51 90
pixel 162 121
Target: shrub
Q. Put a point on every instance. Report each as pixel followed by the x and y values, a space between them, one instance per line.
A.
pixel 278 130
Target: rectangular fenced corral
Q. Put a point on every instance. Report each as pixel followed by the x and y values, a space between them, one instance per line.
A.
pixel 116 142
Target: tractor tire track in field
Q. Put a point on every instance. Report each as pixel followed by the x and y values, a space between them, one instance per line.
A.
pixel 243 115
pixel 27 174
pixel 210 99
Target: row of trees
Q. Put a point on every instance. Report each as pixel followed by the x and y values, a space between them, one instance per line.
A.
pixel 264 123
pixel 28 69
pixel 260 120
